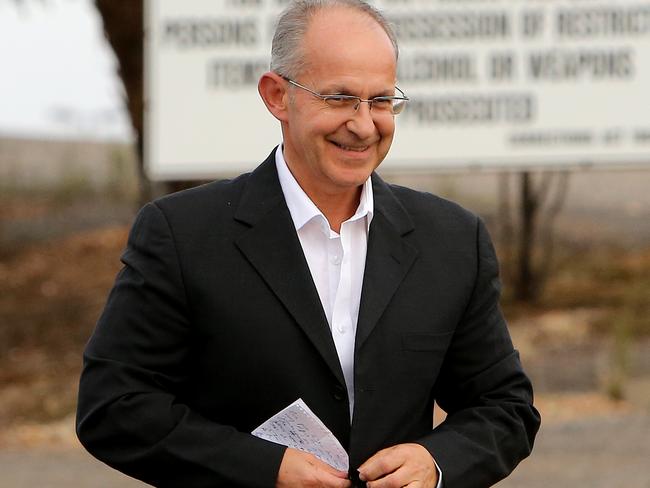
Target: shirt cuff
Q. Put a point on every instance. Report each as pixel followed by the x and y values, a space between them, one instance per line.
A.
pixel 439 485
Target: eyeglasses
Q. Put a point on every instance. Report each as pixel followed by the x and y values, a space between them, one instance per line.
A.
pixel 384 104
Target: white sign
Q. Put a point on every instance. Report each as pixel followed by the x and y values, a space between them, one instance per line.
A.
pixel 492 83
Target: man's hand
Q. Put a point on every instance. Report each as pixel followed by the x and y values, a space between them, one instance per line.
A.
pixel 408 465
pixel 299 468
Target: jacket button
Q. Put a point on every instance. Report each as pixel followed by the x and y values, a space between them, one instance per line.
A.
pixel 339 393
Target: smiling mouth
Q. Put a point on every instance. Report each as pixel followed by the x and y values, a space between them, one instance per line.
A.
pixel 350 148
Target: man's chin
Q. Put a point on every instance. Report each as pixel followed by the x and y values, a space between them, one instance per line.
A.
pixel 350 180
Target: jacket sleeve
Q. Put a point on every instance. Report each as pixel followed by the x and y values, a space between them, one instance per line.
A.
pixel 130 410
pixel 491 422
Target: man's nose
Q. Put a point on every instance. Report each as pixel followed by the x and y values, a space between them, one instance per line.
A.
pixel 362 122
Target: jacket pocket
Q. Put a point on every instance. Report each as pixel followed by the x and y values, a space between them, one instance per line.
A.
pixel 423 353
pixel 425 342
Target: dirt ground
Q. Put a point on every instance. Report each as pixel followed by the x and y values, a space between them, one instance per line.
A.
pixel 58 261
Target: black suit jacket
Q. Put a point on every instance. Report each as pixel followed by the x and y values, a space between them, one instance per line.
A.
pixel 214 325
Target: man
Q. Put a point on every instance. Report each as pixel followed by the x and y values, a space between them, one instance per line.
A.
pixel 309 278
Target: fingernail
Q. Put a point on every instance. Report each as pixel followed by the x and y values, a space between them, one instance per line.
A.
pixel 362 476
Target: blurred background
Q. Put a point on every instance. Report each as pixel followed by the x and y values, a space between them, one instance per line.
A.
pixel 572 231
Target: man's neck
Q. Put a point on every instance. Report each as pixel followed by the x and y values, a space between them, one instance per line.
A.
pixel 337 208
pixel 336 204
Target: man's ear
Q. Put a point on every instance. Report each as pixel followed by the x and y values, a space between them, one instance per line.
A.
pixel 273 90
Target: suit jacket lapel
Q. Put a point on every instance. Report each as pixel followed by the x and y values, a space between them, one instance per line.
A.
pixel 271 245
pixel 388 259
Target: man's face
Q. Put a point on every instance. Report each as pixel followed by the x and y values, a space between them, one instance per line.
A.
pixel 331 151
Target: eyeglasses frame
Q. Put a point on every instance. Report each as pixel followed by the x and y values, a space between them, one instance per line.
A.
pixel 359 100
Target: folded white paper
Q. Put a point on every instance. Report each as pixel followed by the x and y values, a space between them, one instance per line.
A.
pixel 298 427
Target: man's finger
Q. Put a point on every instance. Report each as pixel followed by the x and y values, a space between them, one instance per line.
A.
pixel 400 466
pixel 381 464
pixel 397 479
pixel 329 469
pixel 334 482
pixel 330 476
pixel 330 480
pixel 299 468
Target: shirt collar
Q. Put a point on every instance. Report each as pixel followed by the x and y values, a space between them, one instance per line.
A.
pixel 301 207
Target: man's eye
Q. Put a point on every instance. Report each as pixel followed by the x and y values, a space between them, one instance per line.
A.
pixel 338 100
pixel 382 103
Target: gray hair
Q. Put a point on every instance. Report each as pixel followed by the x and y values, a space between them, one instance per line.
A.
pixel 287 57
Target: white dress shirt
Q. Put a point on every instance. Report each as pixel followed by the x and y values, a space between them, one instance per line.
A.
pixel 336 262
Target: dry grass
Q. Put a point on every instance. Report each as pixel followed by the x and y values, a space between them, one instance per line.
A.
pixel 615 282
pixel 50 297
pixel 52 292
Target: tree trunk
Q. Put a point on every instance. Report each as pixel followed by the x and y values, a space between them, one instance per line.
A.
pixel 525 287
pixel 124 29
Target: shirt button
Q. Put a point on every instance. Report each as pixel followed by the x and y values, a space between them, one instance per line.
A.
pixel 336 259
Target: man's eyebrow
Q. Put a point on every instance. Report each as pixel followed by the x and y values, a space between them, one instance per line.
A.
pixel 386 93
pixel 342 90
pixel 336 90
